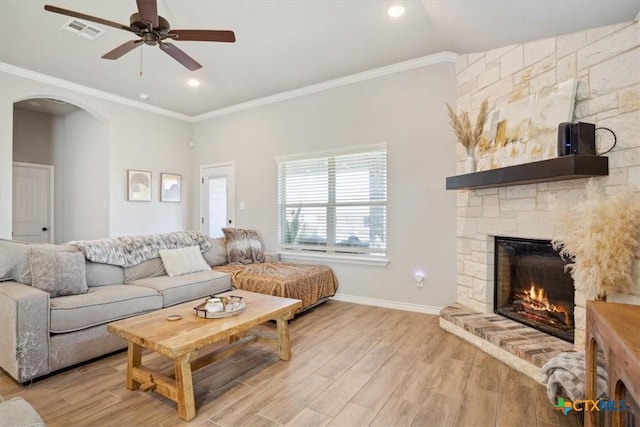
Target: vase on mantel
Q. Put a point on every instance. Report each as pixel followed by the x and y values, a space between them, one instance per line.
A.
pixel 470 163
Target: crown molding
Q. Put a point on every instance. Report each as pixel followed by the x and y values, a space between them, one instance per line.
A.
pixel 86 90
pixel 283 96
pixel 332 84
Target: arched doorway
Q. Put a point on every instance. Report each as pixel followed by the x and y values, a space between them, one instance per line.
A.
pixel 54 135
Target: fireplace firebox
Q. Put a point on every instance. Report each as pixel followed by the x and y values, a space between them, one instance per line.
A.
pixel 532 287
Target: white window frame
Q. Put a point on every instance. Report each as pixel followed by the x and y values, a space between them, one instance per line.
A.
pixel 328 253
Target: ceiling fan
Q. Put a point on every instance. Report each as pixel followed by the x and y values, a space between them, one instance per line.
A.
pixel 153 30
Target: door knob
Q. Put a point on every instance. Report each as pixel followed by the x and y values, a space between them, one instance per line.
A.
pixel 44 228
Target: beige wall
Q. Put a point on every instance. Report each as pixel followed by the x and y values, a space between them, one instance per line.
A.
pixel 136 139
pixel 403 110
pixel 606 63
pixel 32 137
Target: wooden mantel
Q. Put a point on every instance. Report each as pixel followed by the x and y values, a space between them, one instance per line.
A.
pixel 557 169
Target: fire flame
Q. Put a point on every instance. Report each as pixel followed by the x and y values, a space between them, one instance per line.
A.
pixel 540 296
pixel 537 300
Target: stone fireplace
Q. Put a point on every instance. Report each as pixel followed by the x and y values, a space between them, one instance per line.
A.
pixel 532 287
pixel 607 95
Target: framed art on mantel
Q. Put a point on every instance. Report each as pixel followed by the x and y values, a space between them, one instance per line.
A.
pixel 170 187
pixel 138 186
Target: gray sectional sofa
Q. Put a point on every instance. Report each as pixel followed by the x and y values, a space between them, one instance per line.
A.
pixel 40 334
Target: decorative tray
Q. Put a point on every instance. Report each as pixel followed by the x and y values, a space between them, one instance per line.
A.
pixel 219 307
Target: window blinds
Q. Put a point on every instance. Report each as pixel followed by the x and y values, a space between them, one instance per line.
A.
pixel 334 203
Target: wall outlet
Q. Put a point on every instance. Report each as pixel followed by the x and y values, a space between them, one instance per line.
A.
pixel 419 279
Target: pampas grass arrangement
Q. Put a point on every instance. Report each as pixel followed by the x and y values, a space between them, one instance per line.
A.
pixel 468 135
pixel 600 235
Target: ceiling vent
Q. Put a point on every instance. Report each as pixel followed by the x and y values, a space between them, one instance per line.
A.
pixel 82 29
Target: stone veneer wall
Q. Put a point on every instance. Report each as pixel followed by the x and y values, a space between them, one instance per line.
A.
pixel 606 62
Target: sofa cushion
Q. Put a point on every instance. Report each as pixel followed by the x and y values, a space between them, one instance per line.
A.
pixel 183 261
pixel 188 287
pixel 150 268
pixel 102 304
pixel 217 253
pixel 243 246
pixel 104 274
pixel 59 273
pixel 14 258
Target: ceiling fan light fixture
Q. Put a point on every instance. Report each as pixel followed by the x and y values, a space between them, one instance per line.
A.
pixel 150 28
pixel 193 82
pixel 395 10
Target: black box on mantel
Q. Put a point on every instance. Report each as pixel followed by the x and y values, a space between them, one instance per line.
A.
pixel 576 138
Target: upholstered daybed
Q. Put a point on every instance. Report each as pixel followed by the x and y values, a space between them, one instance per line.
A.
pixel 310 283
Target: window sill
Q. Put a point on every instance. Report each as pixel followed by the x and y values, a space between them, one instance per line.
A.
pixel 332 258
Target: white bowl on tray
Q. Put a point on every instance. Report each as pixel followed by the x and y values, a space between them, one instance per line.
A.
pixel 219 307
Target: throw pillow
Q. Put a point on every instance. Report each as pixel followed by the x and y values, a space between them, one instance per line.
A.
pixel 243 246
pixel 14 258
pixel 183 261
pixel 59 273
pixel 217 253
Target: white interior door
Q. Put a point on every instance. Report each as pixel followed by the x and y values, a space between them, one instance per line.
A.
pixel 32 203
pixel 218 198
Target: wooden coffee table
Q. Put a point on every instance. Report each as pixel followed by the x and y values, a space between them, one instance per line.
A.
pixel 181 340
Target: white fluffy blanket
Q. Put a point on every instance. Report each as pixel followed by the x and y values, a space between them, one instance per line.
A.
pixel 130 251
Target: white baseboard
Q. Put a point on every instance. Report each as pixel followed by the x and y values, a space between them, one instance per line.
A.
pixel 387 304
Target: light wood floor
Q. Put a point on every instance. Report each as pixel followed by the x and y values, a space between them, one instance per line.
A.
pixel 352 365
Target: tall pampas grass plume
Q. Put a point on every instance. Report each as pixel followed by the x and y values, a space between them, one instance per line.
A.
pixel 600 236
pixel 468 134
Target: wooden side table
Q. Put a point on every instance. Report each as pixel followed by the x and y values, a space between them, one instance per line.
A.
pixel 615 330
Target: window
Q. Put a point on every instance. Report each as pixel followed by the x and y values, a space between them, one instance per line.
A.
pixel 335 203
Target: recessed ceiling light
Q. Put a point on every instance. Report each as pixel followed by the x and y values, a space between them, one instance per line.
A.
pixel 143 96
pixel 193 82
pixel 395 10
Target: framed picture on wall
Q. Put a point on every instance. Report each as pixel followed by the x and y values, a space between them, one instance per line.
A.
pixel 138 186
pixel 170 187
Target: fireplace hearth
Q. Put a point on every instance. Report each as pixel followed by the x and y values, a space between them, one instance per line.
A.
pixel 532 287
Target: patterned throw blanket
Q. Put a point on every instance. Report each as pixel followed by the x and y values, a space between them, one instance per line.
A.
pixel 306 282
pixel 567 370
pixel 130 251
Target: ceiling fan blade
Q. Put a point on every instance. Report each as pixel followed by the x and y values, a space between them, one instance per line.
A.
pixel 179 56
pixel 148 10
pixel 205 35
pixel 122 49
pixel 79 15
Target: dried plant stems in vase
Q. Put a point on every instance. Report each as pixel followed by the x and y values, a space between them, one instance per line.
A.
pixel 600 235
pixel 467 134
